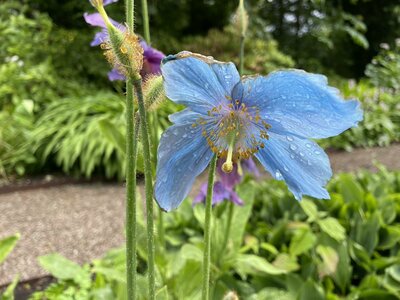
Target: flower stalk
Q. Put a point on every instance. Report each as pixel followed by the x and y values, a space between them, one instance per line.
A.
pixel 148 185
pixel 146 26
pixel 207 230
pixel 131 157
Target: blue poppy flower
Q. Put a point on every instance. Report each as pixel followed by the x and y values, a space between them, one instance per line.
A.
pixel 271 117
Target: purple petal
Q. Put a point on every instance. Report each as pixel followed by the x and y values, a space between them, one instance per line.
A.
pixel 99 38
pixel 96 20
pixel 114 75
pixel 250 166
pixel 220 193
pixel 106 2
pixel 235 198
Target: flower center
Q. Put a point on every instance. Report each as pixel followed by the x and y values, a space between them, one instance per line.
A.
pixel 233 131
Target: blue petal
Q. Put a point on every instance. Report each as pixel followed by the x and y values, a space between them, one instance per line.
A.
pixel 198 82
pixel 301 163
pixel 186 116
pixel 183 154
pixel 299 102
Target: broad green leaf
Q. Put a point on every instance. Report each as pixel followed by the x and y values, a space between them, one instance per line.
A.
pixel 285 262
pixel 246 264
pixel 333 228
pixel 242 214
pixel 350 189
pixel 342 277
pixel 311 291
pixel 63 268
pixel 302 241
pixel 271 294
pixel 7 245
pixel 310 209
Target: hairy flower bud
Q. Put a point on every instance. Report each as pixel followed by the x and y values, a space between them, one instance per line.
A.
pixel 241 19
pixel 153 90
pixel 123 49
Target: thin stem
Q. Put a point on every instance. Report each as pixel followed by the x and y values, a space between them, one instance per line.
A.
pixel 148 186
pixel 146 26
pixel 130 14
pixel 131 153
pixel 207 231
pixel 241 55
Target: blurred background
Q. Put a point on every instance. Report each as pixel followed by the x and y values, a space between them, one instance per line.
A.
pixel 54 91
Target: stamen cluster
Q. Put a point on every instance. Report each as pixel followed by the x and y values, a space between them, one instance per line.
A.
pixel 234 127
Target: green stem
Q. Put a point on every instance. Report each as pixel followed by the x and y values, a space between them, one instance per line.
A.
pixel 148 186
pixel 146 22
pixel 130 14
pixel 207 231
pixel 241 55
pixel 131 153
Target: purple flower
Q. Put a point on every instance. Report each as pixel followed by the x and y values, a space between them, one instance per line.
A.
pixel 224 187
pixel 151 57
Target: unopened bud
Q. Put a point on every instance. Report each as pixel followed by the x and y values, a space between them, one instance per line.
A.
pixel 241 19
pixel 153 90
pixel 123 50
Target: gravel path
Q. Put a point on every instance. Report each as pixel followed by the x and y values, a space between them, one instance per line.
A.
pixel 83 221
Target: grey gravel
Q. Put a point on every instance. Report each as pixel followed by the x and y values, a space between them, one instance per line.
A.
pixel 83 221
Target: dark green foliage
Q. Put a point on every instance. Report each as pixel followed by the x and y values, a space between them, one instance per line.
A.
pixel 278 248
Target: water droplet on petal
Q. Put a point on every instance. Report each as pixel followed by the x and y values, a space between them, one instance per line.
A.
pixel 278 175
pixel 293 147
pixel 286 169
pixel 289 138
pixel 317 152
pixel 301 154
pixel 291 156
pixel 308 145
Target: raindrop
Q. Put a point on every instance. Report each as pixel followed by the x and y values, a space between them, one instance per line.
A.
pixel 289 138
pixel 278 175
pixel 317 152
pixel 286 169
pixel 291 156
pixel 301 154
pixel 308 145
pixel 184 135
pixel 293 147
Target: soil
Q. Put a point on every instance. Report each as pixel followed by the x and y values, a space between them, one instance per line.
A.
pixel 82 220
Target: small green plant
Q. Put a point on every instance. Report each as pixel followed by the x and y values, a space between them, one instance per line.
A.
pixel 343 248
pixel 384 69
pixel 6 246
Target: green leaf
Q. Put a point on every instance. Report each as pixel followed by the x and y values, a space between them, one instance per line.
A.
pixel 333 228
pixel 310 209
pixel 251 264
pixel 302 241
pixel 113 134
pixel 330 260
pixel 285 262
pixel 350 189
pixel 9 292
pixel 162 294
pixel 311 291
pixel 7 245
pixel 64 269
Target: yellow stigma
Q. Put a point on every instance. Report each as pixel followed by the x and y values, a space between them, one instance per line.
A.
pixel 227 166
